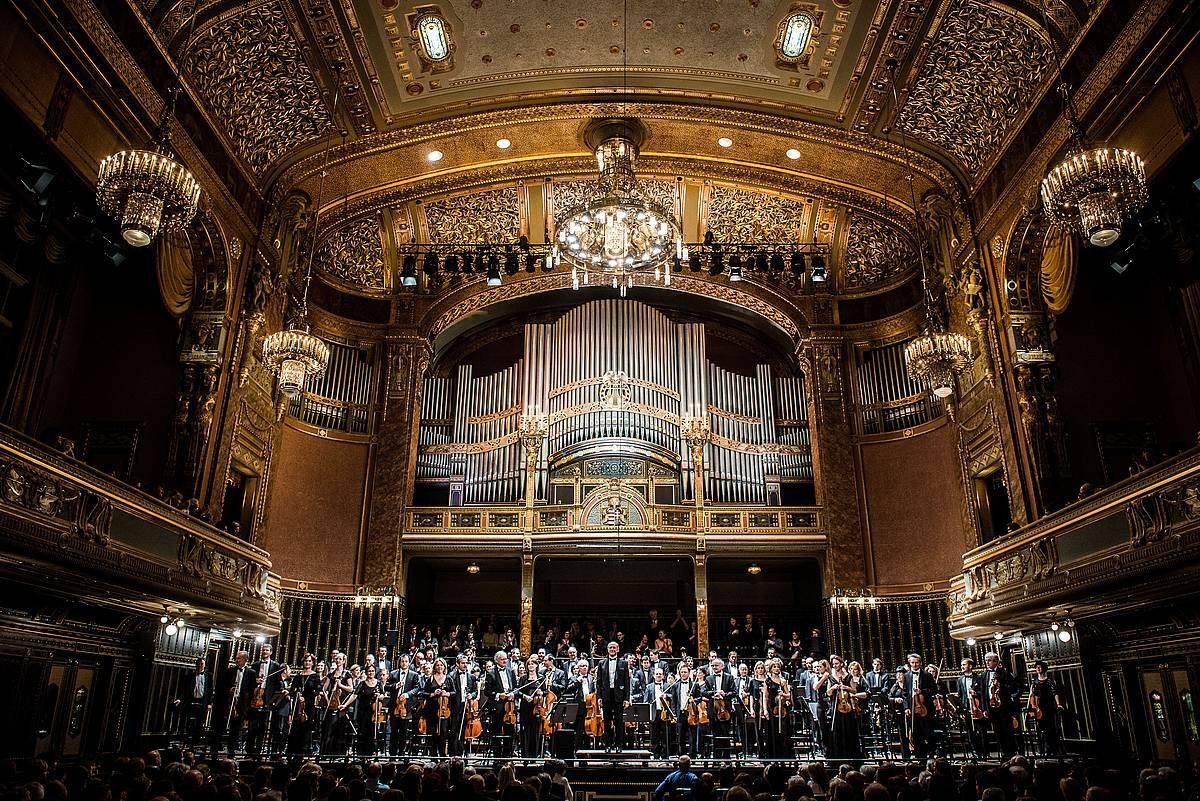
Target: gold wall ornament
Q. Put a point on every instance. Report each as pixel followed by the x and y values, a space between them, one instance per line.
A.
pixel 354 253
pixel 491 216
pixel 252 74
pixel 740 215
pixel 875 253
pixel 984 69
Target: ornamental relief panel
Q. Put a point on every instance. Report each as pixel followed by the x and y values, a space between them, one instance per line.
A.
pixel 567 194
pixel 354 253
pixel 251 72
pixel 738 215
pixel 492 216
pixel 875 252
pixel 982 72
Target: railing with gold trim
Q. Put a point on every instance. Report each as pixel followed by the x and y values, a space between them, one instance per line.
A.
pixel 64 513
pixel 1107 545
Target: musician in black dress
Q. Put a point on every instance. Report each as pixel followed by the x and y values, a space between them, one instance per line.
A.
pixel 1045 704
pixel 532 699
pixel 439 694
pixel 367 694
pixel 282 704
pixel 778 730
pixel 304 695
pixel 847 692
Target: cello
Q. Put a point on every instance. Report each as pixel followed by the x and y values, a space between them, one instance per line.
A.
pixel 472 725
pixel 548 700
pixel 593 722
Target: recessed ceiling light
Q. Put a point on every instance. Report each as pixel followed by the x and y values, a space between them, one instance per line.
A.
pixel 725 141
pixel 793 153
pixel 503 144
pixel 435 155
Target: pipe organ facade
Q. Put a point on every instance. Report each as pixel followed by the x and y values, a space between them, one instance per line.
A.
pixel 613 377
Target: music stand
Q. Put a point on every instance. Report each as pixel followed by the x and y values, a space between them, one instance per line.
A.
pixel 565 715
pixel 638 713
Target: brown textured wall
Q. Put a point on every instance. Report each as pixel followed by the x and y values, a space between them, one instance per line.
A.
pixel 913 496
pixel 314 509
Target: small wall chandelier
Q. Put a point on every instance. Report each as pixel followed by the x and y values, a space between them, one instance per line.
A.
pixel 145 189
pixel 619 234
pixel 1094 189
pixel 937 357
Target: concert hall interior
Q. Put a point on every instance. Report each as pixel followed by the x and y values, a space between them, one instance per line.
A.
pixel 372 337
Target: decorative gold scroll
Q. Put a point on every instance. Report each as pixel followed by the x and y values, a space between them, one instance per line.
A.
pixel 637 382
pixel 737 418
pixel 500 415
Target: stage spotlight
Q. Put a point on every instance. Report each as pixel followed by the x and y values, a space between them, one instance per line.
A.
pixel 818 268
pixel 531 261
pixel 760 261
pixel 797 265
pixel 735 266
pixel 777 262
pixel 716 262
pixel 511 264
pixel 408 272
pixel 431 264
pixel 709 239
pixel 452 263
pixel 35 177
pixel 493 270
pixel 164 619
pixel 547 263
pixel 1054 626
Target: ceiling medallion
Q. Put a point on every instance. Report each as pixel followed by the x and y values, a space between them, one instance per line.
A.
pixel 620 233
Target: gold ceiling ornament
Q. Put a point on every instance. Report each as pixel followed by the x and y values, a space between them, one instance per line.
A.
pixel 937 357
pixel 620 233
pixel 145 189
pixel 1095 189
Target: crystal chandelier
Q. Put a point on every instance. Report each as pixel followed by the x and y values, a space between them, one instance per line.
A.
pixel 937 357
pixel 146 190
pixel 620 234
pixel 1095 189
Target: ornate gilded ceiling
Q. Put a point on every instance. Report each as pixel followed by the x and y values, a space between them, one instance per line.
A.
pixel 983 71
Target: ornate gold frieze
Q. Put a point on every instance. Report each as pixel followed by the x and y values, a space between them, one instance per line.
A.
pixel 253 76
pixel 738 418
pixel 875 253
pixel 354 253
pixel 983 70
pixel 738 215
pixel 500 415
pixel 493 216
pixel 633 382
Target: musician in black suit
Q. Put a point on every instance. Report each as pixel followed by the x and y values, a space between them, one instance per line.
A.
pixel 685 689
pixel 236 690
pixel 499 688
pixel 463 687
pixel 259 716
pixel 612 683
pixel 920 726
pixel 720 685
pixel 195 695
pixel 662 713
pixel 404 685
pixel 1000 689
pixel 969 697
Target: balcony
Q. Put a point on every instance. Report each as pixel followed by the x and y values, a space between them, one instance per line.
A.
pixel 67 526
pixel 1120 547
pixel 658 528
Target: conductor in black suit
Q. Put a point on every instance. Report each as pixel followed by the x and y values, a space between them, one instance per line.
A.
pixel 236 690
pixel 612 683
pixel 195 694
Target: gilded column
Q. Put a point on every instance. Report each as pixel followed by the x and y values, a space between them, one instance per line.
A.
pixel 823 359
pixel 701 602
pixel 532 429
pixel 695 432
pixel 396 435
pixel 527 596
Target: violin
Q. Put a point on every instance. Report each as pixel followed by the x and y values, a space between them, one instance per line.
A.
pixel 721 708
pixel 422 723
pixel 977 711
pixel 548 701
pixel 844 705
pixel 1035 706
pixel 919 709
pixel 697 711
pixel 378 716
pixel 302 709
pixel 259 699
pixel 443 710
pixel 400 708
pixel 335 697
pixel 994 698
pixel 593 722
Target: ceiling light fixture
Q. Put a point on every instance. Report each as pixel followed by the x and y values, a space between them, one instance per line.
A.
pixel 146 190
pixel 754 569
pixel 503 144
pixel 434 155
pixel 725 141
pixel 1094 189
pixel 793 153
pixel 970 642
pixel 473 568
pixel 1064 635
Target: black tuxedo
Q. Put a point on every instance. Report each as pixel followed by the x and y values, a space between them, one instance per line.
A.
pixel 1001 716
pixel 457 706
pixel 195 694
pixel 687 735
pixel 231 703
pixel 922 725
pixel 493 686
pixel 878 682
pixel 273 674
pixel 403 682
pixel 613 681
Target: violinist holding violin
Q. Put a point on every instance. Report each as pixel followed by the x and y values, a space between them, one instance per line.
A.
pixel 1045 704
pixel 971 706
pixel 499 687
pixel 446 719
pixel 999 690
pixel 532 708
pixel 847 693
pixel 662 715
pixel 404 685
pixel 720 688
pixel 919 690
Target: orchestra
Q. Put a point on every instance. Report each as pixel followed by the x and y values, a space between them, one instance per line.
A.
pixel 648 703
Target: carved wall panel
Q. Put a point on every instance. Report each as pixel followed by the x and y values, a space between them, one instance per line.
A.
pixel 737 215
pixel 570 193
pixel 875 252
pixel 983 69
pixel 354 253
pixel 490 216
pixel 250 70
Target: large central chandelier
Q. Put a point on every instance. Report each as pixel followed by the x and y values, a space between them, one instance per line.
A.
pixel 619 234
pixel 1094 189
